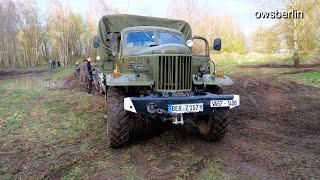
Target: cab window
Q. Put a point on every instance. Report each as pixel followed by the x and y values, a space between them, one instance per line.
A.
pixel 169 38
pixel 140 38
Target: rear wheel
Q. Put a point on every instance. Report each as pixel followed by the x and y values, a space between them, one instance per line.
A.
pixel 117 118
pixel 213 128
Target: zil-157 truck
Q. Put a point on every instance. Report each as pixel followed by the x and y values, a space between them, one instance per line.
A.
pixel 151 67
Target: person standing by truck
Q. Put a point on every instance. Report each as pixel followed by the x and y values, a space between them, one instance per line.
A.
pixel 88 74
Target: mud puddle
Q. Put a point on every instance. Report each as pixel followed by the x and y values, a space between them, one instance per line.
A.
pixel 29 82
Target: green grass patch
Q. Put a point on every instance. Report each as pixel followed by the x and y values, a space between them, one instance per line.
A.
pixel 151 157
pixel 7 177
pixel 128 170
pixel 194 160
pixel 182 174
pixel 230 63
pixel 309 78
pixel 213 170
pixel 14 122
pixel 76 173
pixel 2 89
pixel 59 73
pixel 55 107
pixel 235 59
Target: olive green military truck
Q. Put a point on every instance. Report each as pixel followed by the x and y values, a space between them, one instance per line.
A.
pixel 155 69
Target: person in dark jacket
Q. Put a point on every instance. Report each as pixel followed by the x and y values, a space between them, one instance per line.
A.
pixel 53 63
pixel 88 74
pixel 59 64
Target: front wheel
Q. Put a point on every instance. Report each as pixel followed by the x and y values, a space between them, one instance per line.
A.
pixel 117 118
pixel 213 128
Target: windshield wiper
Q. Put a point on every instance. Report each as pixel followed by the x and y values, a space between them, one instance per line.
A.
pixel 146 33
pixel 174 35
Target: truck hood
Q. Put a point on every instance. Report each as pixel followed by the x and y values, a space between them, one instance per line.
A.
pixel 161 49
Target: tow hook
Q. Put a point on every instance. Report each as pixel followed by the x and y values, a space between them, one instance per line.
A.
pixel 178 119
pixel 152 108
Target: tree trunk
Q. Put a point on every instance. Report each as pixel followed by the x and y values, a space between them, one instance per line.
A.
pixel 296 60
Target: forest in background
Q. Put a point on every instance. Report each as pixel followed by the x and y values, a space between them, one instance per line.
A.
pixel 29 38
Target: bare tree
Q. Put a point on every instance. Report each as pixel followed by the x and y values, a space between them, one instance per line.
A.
pixel 208 24
pixel 100 8
pixel 29 33
pixel 29 38
pixel 8 33
pixel 300 34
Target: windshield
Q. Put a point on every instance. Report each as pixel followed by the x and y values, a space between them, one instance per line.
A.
pixel 147 38
pixel 169 38
pixel 143 38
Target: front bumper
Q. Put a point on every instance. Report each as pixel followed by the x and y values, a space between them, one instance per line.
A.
pixel 155 106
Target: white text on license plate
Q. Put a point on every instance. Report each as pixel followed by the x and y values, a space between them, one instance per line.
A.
pixel 224 103
pixel 185 108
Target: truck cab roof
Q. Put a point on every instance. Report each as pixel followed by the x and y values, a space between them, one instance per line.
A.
pixel 150 28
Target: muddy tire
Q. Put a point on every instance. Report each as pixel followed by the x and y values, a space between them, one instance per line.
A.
pixel 96 85
pixel 213 128
pixel 117 118
pixel 101 88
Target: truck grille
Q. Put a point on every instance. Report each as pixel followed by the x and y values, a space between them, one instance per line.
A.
pixel 174 73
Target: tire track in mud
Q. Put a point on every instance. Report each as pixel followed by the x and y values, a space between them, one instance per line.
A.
pixel 279 129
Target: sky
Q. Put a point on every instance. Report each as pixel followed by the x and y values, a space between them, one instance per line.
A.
pixel 242 10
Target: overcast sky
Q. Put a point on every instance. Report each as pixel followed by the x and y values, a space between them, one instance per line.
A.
pixel 242 10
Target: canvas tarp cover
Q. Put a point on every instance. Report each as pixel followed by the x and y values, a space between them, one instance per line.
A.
pixel 116 23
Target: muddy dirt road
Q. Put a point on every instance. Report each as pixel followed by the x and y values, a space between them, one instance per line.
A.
pixel 274 134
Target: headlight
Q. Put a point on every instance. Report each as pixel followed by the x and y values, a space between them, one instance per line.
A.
pixel 189 43
pixel 138 69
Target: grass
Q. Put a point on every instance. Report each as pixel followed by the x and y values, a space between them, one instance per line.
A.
pixel 59 73
pixel 76 173
pixel 230 63
pixel 233 64
pixel 234 59
pixel 310 78
pixel 123 168
pixel 213 170
pixel 54 125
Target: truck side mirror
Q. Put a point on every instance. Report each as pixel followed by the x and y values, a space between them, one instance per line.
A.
pixel 96 41
pixel 217 44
